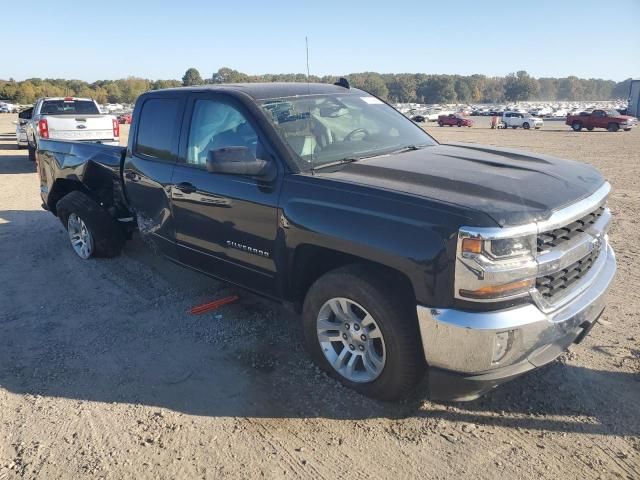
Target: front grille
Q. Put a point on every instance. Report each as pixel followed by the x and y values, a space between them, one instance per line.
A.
pixel 558 282
pixel 553 238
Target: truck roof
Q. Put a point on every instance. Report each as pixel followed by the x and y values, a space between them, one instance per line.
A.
pixel 262 91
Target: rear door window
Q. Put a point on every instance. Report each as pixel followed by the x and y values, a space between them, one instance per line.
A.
pixel 158 127
pixel 69 107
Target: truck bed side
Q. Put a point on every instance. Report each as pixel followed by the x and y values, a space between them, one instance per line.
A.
pixel 92 168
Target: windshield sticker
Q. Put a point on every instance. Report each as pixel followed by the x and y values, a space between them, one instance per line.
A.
pixel 372 100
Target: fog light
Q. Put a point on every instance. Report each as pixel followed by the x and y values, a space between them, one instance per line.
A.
pixel 502 343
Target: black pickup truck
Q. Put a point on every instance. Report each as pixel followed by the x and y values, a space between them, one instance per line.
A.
pixel 404 256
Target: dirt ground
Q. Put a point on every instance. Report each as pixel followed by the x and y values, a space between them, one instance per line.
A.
pixel 104 374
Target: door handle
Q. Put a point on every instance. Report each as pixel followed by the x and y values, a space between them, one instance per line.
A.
pixel 186 187
pixel 133 176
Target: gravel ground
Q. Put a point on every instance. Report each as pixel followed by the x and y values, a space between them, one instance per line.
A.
pixel 104 374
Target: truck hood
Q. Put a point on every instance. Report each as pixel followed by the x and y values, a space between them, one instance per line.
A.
pixel 512 187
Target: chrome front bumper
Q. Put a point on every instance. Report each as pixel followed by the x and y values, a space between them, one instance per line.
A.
pixel 464 343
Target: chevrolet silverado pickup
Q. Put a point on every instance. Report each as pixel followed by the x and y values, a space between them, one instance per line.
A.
pixel 69 118
pixel 404 257
pixel 609 119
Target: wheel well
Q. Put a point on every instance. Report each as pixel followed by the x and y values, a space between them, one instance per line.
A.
pixel 60 188
pixel 311 262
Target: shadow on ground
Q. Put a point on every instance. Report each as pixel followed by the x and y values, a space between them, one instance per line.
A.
pixel 17 163
pixel 118 331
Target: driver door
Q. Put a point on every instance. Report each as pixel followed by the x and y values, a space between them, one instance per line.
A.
pixel 226 225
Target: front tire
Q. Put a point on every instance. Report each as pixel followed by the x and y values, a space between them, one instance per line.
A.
pixel 577 126
pixel 362 334
pixel 613 127
pixel 92 231
pixel 440 124
pixel 526 126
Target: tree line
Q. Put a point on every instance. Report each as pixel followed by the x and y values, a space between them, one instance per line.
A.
pixel 403 87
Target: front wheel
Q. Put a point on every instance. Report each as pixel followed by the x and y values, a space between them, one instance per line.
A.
pixel 526 126
pixel 440 124
pixel 613 127
pixel 362 334
pixel 92 231
pixel 577 126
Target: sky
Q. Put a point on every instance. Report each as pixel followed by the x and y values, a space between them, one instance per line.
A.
pixel 160 39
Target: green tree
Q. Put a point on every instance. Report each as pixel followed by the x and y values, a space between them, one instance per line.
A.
pixel 520 86
pixel 463 90
pixel 437 89
pixel 228 75
pixel 192 77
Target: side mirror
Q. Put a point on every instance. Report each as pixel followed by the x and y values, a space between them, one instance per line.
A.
pixel 239 161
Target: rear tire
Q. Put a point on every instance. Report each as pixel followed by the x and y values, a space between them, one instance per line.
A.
pixel 107 238
pixel 32 153
pixel 577 126
pixel 526 126
pixel 590 129
pixel 366 296
pixel 613 127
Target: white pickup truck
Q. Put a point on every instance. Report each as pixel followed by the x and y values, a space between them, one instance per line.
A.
pixel 70 118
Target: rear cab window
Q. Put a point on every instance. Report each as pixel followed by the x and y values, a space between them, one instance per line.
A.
pixel 158 126
pixel 69 107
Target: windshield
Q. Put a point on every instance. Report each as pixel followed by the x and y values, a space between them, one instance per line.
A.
pixel 324 129
pixel 69 107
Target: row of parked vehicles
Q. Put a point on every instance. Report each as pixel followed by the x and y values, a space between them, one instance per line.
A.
pixel 402 256
pixel 610 120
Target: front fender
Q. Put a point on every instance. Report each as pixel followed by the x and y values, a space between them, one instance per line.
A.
pixel 410 235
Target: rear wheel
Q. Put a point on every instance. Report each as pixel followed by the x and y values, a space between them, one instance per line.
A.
pixel 613 127
pixel 590 129
pixel 92 231
pixel 362 334
pixel 459 124
pixel 32 153
pixel 526 125
pixel 577 126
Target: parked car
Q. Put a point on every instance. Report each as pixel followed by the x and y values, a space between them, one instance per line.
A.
pixel 454 119
pixel 609 119
pixel 21 127
pixel 518 119
pixel 124 119
pixel 69 118
pixel 401 255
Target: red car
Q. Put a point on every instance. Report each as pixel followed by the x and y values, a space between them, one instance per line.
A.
pixel 454 119
pixel 125 118
pixel 609 119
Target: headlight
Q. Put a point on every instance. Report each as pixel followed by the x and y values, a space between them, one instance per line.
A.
pixel 490 268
